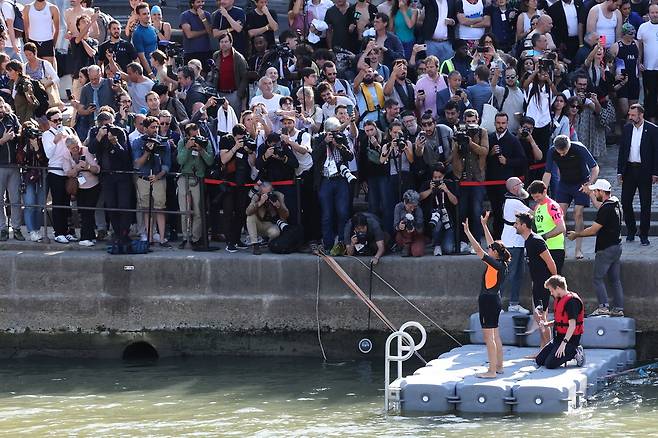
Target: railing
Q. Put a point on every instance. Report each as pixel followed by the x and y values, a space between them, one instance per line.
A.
pixel 404 352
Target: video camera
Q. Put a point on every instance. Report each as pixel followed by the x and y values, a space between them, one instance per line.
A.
pixel 283 51
pixel 463 134
pixel 173 50
pixel 152 145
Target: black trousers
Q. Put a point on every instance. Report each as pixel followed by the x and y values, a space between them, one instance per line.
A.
pixel 572 46
pixel 546 356
pixel 234 204
pixel 496 195
pixel 88 198
pixel 310 206
pixel 57 187
pixel 650 81
pixel 635 180
pixel 119 192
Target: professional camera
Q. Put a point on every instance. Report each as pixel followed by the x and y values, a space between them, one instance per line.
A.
pixel 401 142
pixel 31 132
pixel 440 215
pixel 435 183
pixel 525 132
pixel 249 143
pixel 272 198
pixel 345 173
pixel 408 221
pixel 340 138
pixel 547 63
pixel 152 144
pixel 281 224
pixel 279 151
pixel 173 50
pixel 463 135
pixel 200 141
pixel 361 237
pixel 283 51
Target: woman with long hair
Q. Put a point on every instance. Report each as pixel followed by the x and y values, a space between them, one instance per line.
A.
pixel 559 115
pixel 25 102
pixel 526 67
pixel 42 70
pixel 310 113
pixel 573 110
pixel 528 10
pixel 496 258
pixel 162 28
pixel 296 20
pixel 159 63
pixel 403 23
pixel 539 90
pixel 591 129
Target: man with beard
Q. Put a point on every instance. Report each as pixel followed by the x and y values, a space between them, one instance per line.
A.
pixel 607 229
pixel 451 115
pixel 121 50
pixel 331 100
pixel 399 88
pixel 340 86
pixel 369 95
pixel 433 145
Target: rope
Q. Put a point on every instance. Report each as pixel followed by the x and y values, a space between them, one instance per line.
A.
pixel 317 312
pixel 408 301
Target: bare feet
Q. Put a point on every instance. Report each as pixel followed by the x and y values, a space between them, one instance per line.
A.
pixel 500 371
pixel 579 255
pixel 487 375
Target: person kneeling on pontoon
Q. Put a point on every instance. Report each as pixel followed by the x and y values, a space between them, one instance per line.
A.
pixel 567 326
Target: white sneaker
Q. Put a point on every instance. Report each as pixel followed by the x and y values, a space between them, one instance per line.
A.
pixel 86 243
pixel 518 309
pixel 61 239
pixel 156 237
pixel 464 247
pixel 71 238
pixel 471 250
pixel 35 236
pixel 437 251
pixel 142 237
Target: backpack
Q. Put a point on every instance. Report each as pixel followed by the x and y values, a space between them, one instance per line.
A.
pixel 290 239
pixel 42 98
pixel 19 25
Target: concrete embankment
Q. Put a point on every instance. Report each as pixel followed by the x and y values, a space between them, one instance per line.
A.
pixel 92 304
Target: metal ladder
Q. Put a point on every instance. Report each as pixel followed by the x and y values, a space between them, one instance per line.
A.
pixel 392 398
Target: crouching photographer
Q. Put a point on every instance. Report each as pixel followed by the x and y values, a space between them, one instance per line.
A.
pixel 408 217
pixel 364 237
pixel 267 215
pixel 332 178
pixel 438 197
pixel 195 155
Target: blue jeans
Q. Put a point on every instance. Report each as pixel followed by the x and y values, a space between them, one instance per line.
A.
pixel 512 282
pixel 334 195
pixel 607 264
pixel 471 199
pixel 442 50
pixel 445 238
pixel 13 55
pixel 380 201
pixel 33 216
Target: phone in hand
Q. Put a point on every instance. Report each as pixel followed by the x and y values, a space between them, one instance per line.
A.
pixel 602 40
pixel 69 94
pixel 83 158
pixel 350 110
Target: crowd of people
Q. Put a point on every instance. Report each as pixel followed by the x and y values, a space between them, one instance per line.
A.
pixel 426 109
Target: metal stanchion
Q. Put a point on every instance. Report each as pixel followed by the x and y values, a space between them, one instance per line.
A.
pixel 44 183
pixel 205 245
pixel 298 190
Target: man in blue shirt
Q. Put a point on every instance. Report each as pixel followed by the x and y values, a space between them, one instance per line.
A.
pixel 578 169
pixel 195 23
pixel 152 159
pixel 230 18
pixel 480 93
pixel 145 37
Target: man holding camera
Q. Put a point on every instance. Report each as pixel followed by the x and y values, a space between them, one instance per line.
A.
pixel 469 162
pixel 364 237
pixel 195 154
pixel 276 162
pixel 533 152
pixel 438 196
pixel 152 159
pixel 331 174
pixel 10 177
pixel 267 214
pixel 408 220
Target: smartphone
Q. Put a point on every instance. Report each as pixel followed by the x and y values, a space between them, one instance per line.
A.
pixel 69 95
pixel 602 40
pixel 350 110
pixel 623 72
pixel 97 10
pixel 83 158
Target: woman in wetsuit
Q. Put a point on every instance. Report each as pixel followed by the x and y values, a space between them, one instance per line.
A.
pixel 496 258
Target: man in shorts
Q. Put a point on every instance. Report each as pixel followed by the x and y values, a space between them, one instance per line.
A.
pixel 549 222
pixel 152 159
pixel 578 169
pixel 541 266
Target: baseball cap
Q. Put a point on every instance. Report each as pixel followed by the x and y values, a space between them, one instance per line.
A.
pixel 601 184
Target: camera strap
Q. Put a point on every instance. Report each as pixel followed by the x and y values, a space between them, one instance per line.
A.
pixel 505 95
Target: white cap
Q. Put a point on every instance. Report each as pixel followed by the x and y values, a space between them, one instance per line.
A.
pixel 601 184
pixel 319 25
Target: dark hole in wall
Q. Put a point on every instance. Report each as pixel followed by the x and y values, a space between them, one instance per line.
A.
pixel 140 351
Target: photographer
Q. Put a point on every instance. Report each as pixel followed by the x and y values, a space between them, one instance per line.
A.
pixel 399 151
pixel 469 162
pixel 506 159
pixel 112 149
pixel 237 153
pixel 152 159
pixel 266 215
pixel 374 170
pixel 10 178
pixel 433 146
pixel 408 220
pixel 277 162
pixel 331 175
pixel 30 153
pixel 532 151
pixel 438 195
pixel 195 154
pixel 365 237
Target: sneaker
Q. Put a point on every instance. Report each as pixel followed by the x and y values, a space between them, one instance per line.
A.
pixel 165 244
pixel 241 245
pixel 601 311
pixel 183 243
pixel 471 250
pixel 35 236
pixel 617 312
pixel 156 237
pixel 518 309
pixel 580 356
pixel 18 235
pixel 142 237
pixel 256 249
pixel 437 251
pixel 4 235
pixel 644 241
pixel 630 237
pixel 231 248
pixel 61 239
pixel 463 247
pixel 71 238
pixel 86 243
pixel 101 235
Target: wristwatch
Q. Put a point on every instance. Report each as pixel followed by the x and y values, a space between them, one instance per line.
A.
pixel 565 340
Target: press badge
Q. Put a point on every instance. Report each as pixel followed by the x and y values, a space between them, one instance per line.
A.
pixel 81 180
pixel 503 17
pixel 330 165
pixel 239 155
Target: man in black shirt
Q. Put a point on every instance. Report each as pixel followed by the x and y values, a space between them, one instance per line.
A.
pixel 607 229
pixel 123 51
pixel 363 236
pixel 276 162
pixel 541 266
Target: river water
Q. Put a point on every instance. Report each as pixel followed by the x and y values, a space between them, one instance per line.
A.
pixel 283 397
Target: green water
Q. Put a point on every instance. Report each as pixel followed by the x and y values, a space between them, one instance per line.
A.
pixel 266 397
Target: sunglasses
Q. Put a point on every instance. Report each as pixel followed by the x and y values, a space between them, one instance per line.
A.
pixel 510 77
pixel 575 106
pixel 56 120
pixel 427 124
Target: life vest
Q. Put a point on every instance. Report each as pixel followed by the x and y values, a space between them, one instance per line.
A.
pixel 370 105
pixel 561 317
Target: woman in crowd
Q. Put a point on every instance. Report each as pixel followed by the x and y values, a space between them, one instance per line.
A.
pixel 310 113
pixel 560 118
pixel 591 129
pixel 524 20
pixel 574 107
pixel 539 91
pixel 159 63
pixel 5 88
pixel 403 23
pixel 496 258
pixel 298 22
pixel 82 165
pixel 24 100
pixel 526 67
pixel 42 70
pixel 31 154
pixel 162 28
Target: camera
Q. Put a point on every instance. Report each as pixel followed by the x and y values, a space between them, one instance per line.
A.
pixel 340 138
pixel 401 142
pixel 435 183
pixel 463 135
pixel 525 132
pixel 345 173
pixel 547 63
pixel 221 100
pixel 272 198
pixel 283 51
pixel 281 224
pixel 408 221
pixel 440 216
pixel 361 237
pixel 481 49
pixel 152 144
pixel 172 49
pixel 249 143
pixel 278 150
pixel 31 132
pixel 200 141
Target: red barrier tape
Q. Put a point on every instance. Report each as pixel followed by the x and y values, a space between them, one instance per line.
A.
pixel 288 182
pixel 498 182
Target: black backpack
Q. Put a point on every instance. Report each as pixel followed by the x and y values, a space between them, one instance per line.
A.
pixel 290 239
pixel 42 98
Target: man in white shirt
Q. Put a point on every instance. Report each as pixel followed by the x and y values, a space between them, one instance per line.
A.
pixel 331 100
pixel 510 98
pixel 648 62
pixel 435 28
pixel 268 97
pixel 567 32
pixel 13 43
